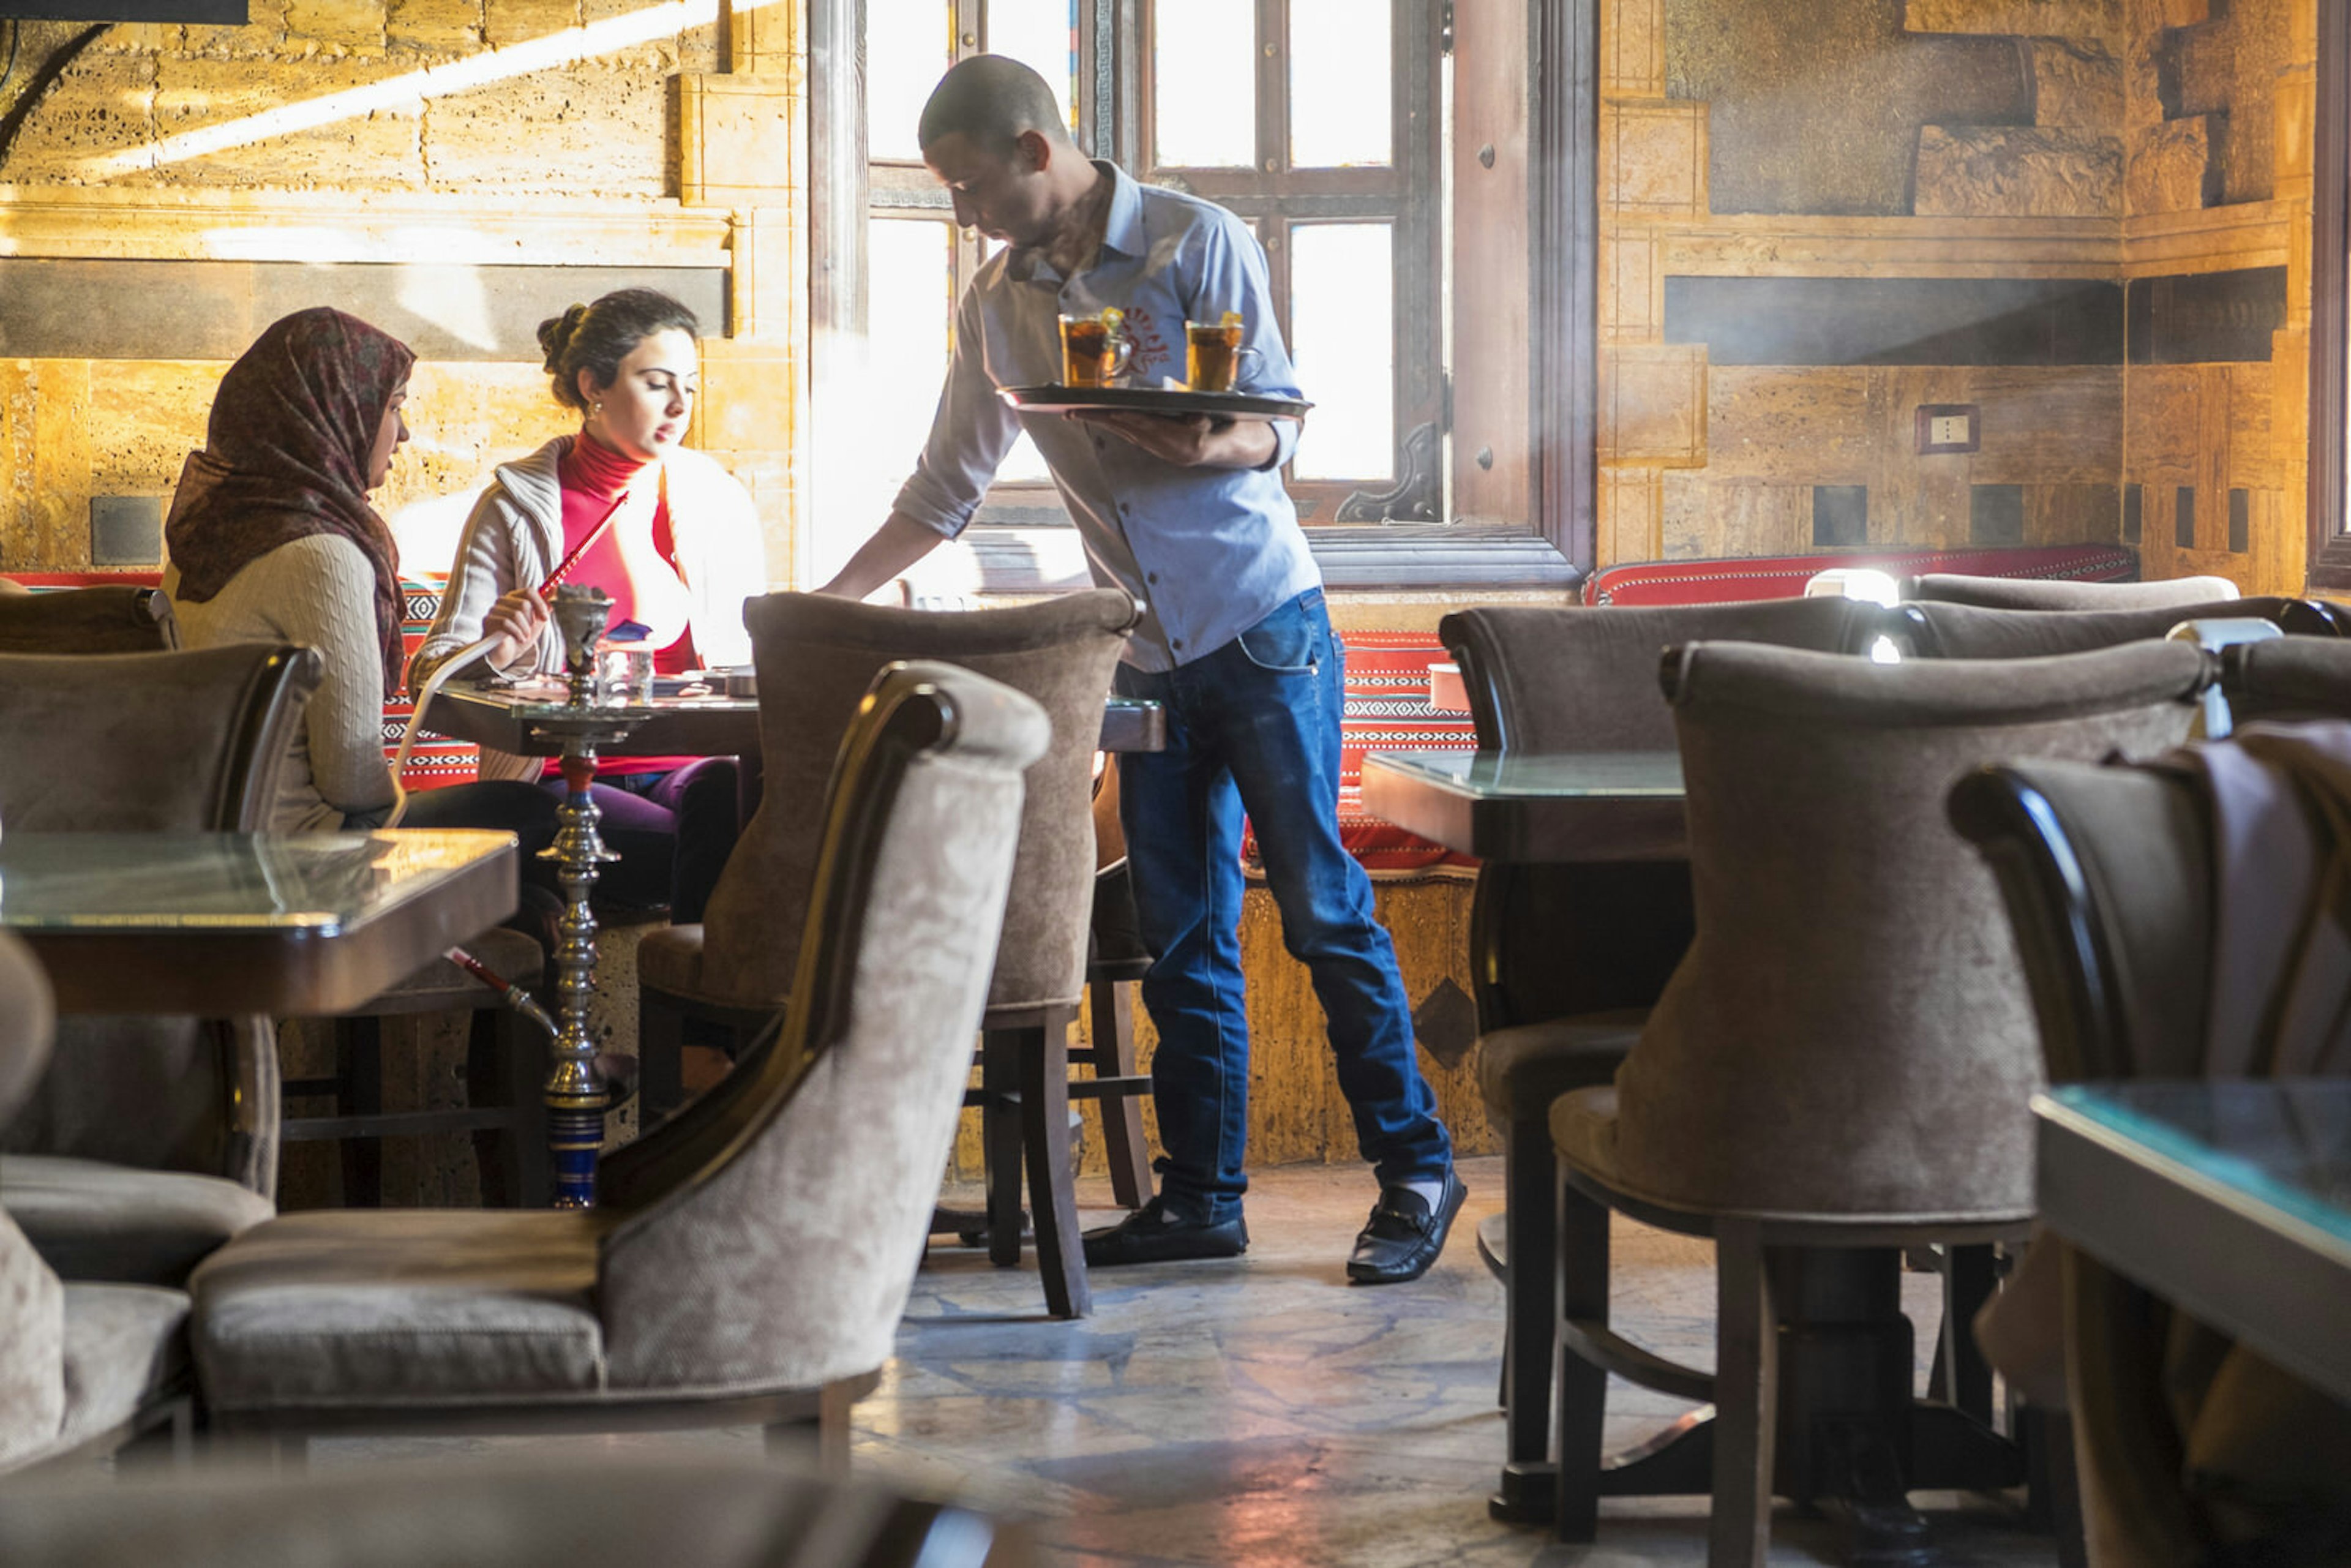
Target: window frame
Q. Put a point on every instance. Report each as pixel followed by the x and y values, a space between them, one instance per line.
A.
pixel 2328 564
pixel 1554 550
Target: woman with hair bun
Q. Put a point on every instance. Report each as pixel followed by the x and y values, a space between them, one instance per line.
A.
pixel 678 558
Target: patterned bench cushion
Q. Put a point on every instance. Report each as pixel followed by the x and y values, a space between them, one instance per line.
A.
pixel 1783 576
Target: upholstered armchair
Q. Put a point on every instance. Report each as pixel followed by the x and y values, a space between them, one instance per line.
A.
pixel 82 1367
pixel 2287 679
pixel 1569 958
pixel 815 655
pixel 755 1277
pixel 105 619
pixel 149 1140
pixel 1840 1067
pixel 2038 593
pixel 2156 943
pixel 713 1511
pixel 1951 630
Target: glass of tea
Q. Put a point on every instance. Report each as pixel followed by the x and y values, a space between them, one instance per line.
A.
pixel 1213 353
pixel 1094 349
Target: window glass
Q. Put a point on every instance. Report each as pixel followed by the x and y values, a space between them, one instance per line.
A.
pixel 1042 36
pixel 909 45
pixel 911 290
pixel 1342 335
pixel 1339 83
pixel 1203 83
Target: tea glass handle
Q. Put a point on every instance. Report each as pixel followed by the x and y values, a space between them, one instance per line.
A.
pixel 1121 350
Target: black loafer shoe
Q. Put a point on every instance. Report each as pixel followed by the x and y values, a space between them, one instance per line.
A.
pixel 1158 1234
pixel 1403 1237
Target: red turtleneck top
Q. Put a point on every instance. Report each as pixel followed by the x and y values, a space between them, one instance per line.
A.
pixel 593 475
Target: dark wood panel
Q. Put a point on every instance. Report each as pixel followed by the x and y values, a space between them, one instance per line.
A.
pixel 1898 321
pixel 2207 318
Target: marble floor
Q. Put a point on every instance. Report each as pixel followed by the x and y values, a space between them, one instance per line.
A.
pixel 1259 1412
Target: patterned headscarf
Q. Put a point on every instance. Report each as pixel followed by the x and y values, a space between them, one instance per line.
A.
pixel 285 456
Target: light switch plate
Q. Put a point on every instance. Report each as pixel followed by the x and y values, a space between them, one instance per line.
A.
pixel 1949 427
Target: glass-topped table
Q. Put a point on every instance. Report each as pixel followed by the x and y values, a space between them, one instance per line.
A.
pixel 218 924
pixel 529 719
pixel 2232 1199
pixel 1534 806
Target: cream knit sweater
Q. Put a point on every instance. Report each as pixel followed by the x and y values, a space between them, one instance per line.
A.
pixel 318 592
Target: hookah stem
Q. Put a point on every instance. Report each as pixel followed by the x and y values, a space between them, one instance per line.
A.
pixel 563 568
pixel 509 992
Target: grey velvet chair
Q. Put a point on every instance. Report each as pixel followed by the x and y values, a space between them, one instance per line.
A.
pixel 1941 631
pixel 815 657
pixel 2036 593
pixel 103 618
pixel 151 1140
pixel 83 1367
pixel 756 1276
pixel 2114 885
pixel 2287 679
pixel 1569 958
pixel 1839 1069
pixel 711 1510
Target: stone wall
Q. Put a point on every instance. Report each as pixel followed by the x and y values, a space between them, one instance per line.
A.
pixel 451 169
pixel 2088 219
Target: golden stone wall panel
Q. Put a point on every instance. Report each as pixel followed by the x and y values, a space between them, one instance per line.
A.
pixel 358 25
pixel 378 150
pixel 2075 85
pixel 508 22
pixel 61 457
pixel 1808 426
pixel 1976 170
pixel 1653 158
pixel 2053 426
pixel 104 103
pixel 1653 406
pixel 599 127
pixel 1632 288
pixel 1631 515
pixel 2170 164
pixel 1633 49
pixel 145 417
pixel 734 138
pixel 2101 20
pixel 2163 420
pixel 434 26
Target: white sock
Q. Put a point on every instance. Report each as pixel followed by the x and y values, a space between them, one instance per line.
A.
pixel 1432 1193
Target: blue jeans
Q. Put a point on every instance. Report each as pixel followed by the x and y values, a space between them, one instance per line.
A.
pixel 1254 727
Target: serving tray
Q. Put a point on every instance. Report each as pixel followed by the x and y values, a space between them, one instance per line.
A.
pixel 1058 399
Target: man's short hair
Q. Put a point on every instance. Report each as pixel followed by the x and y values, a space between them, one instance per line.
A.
pixel 991 99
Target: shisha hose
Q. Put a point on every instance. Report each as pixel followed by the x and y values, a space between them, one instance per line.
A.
pixel 508 993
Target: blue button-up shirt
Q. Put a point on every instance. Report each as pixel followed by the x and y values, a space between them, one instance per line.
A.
pixel 1209 552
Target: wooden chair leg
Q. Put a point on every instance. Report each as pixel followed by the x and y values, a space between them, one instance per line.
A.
pixel 1531 1194
pixel 1000 1142
pixel 825 1435
pixel 1044 1055
pixel 1746 1390
pixel 1580 1281
pixel 1111 1008
pixel 1969 1280
pixel 661 1059
pixel 524 1054
pixel 496 1155
pixel 359 1072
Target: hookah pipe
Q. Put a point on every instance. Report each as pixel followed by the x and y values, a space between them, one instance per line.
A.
pixel 507 992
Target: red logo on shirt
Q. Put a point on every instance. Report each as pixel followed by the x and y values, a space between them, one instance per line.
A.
pixel 1150 349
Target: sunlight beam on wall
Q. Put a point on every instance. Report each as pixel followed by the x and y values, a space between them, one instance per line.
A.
pixel 412 88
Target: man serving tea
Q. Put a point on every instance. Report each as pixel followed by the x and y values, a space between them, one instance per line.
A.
pixel 1189 516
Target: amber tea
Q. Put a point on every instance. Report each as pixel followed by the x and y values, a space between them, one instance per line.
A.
pixel 1213 352
pixel 1094 350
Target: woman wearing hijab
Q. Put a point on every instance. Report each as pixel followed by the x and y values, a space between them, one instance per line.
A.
pixel 272 539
